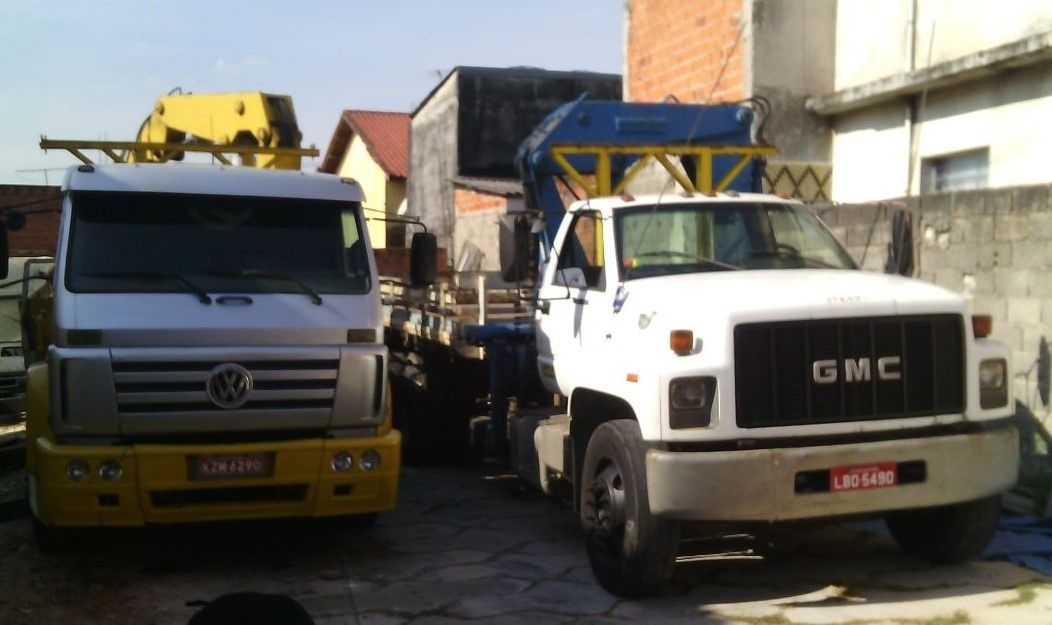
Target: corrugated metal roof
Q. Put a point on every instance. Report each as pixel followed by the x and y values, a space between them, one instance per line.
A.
pixel 508 187
pixel 386 136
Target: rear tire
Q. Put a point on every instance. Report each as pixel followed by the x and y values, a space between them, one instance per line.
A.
pixel 946 534
pixel 632 553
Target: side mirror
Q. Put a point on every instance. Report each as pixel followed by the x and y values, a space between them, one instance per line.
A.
pixel 572 277
pixel 12 220
pixel 5 260
pixel 900 249
pixel 514 247
pixel 423 259
pixel 1044 371
pixel 15 220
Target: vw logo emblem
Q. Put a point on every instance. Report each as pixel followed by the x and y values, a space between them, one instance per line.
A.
pixel 229 385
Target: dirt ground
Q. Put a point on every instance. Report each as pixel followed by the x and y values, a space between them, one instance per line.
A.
pixel 475 546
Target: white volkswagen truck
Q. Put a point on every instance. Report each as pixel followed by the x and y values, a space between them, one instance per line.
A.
pixel 725 363
pixel 215 352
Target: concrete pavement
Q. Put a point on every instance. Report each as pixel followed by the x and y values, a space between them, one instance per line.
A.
pixel 476 546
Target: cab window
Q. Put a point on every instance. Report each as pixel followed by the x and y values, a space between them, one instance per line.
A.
pixel 583 249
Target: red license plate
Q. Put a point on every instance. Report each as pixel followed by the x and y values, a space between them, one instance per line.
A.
pixel 233 465
pixel 863 476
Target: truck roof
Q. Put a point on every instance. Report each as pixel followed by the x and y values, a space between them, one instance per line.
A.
pixel 210 180
pixel 610 204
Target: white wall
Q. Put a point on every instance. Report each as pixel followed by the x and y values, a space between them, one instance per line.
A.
pixel 870 40
pixel 1007 114
pixel 963 27
pixel 869 154
pixel 873 36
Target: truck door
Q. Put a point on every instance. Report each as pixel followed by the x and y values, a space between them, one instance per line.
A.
pixel 573 277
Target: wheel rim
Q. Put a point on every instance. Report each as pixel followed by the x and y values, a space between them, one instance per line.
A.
pixel 608 504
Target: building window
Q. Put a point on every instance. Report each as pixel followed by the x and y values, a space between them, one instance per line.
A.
pixel 955 172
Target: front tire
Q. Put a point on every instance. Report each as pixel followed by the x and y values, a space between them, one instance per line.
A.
pixel 632 553
pixel 946 534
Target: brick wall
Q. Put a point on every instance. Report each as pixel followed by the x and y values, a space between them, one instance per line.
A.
pixel 40 235
pixel 393 262
pixel 993 246
pixel 477 216
pixel 469 201
pixel 678 47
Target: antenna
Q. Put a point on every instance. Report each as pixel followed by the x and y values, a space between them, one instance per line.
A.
pixel 916 116
pixel 726 62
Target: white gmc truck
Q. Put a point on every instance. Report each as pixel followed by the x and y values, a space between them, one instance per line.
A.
pixel 725 362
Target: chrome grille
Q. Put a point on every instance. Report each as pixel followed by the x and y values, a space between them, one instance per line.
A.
pixel 774 363
pixel 156 386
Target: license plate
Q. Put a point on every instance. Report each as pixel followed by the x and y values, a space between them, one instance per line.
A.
pixel 232 466
pixel 863 476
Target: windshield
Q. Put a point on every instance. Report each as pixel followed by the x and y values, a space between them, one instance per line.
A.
pixel 166 243
pixel 686 238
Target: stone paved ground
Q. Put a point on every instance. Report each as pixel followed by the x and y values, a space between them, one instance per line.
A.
pixel 474 546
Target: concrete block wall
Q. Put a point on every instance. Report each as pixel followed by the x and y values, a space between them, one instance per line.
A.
pixel 992 246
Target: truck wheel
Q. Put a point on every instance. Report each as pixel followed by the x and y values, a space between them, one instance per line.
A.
pixel 51 539
pixel 946 534
pixel 632 552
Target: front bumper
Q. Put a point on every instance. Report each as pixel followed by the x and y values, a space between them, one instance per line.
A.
pixel 158 484
pixel 760 484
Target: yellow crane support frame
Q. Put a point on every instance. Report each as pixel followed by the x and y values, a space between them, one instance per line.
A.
pixel 703 155
pixel 119 150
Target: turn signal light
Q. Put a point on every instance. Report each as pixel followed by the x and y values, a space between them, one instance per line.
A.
pixel 681 342
pixel 982 325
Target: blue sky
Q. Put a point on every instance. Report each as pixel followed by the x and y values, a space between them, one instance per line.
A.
pixel 92 69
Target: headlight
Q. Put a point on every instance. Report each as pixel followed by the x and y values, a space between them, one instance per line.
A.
pixel 369 460
pixel 77 471
pixel 993 383
pixel 111 471
pixel 342 462
pixel 687 393
pixel 690 402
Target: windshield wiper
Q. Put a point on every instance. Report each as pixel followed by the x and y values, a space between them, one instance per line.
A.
pixel 789 252
pixel 269 275
pixel 710 262
pixel 202 295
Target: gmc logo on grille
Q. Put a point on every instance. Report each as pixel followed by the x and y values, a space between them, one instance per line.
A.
pixel 856 370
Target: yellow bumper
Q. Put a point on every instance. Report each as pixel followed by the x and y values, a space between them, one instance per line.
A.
pixel 158 484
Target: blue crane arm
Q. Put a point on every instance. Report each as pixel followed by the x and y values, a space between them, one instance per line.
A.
pixel 598 144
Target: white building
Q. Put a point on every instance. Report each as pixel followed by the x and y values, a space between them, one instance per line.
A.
pixel 938 95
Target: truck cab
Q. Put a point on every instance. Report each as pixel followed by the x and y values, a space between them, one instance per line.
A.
pixel 216 352
pixel 724 361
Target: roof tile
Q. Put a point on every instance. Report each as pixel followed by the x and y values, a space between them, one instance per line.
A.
pixel 386 136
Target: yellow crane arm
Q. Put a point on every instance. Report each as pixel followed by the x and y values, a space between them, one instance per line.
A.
pixel 248 118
